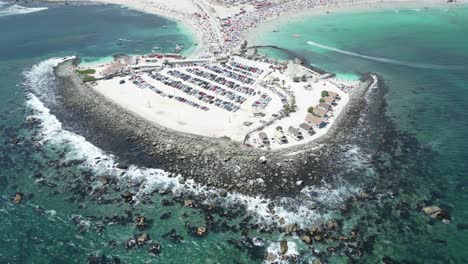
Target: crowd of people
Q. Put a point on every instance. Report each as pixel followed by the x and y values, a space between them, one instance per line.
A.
pixel 234 31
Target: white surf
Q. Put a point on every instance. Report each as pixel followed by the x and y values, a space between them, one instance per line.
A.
pixel 18 10
pixel 388 60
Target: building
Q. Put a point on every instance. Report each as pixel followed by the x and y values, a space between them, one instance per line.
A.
pixel 314 121
pixel 307 128
pixel 333 95
pixel 329 100
pixel 319 112
pixel 324 106
pixel 295 133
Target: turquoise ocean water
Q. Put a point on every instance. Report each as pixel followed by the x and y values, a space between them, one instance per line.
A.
pixel 422 56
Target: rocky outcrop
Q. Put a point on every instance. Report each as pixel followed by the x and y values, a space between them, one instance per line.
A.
pixel 216 162
pixel 437 213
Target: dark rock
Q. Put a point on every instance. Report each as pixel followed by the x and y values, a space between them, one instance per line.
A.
pixel 172 235
pixel 166 215
pixel 154 249
pixel 127 196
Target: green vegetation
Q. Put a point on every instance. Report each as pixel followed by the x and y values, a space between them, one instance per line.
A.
pixel 324 93
pixel 88 78
pixel 322 100
pixel 88 71
pixel 310 109
pixel 293 106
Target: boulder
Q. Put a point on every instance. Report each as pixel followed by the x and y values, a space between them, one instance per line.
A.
pixel 104 180
pixel 332 225
pixel 306 239
pixel 429 210
pixel 283 246
pixel 291 228
pixel 262 159
pixel 142 239
pixel 154 249
pixel 201 231
pixel 18 198
pixel 271 258
pixel 188 203
pixel 141 222
pixel 282 221
pixel 127 196
pixel 437 213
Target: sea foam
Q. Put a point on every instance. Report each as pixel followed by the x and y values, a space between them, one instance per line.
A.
pixel 18 10
pixel 389 60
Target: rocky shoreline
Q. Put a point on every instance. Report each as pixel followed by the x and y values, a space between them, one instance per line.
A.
pixel 219 163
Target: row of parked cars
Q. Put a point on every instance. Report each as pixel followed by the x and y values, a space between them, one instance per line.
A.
pixel 142 84
pixel 295 133
pixel 246 68
pixel 246 73
pixel 202 96
pixel 191 103
pixel 227 73
pixel 282 96
pixel 221 81
pixel 262 102
pixel 208 86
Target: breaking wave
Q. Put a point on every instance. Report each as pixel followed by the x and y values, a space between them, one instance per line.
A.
pixel 301 210
pixel 18 10
pixel 390 61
